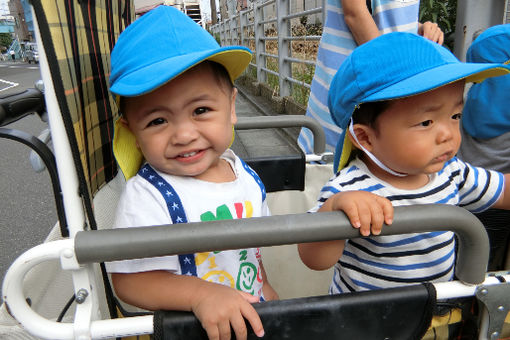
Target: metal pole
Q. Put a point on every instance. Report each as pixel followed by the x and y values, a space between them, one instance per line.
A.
pixel 284 66
pixel 324 11
pixel 242 24
pixel 472 16
pixel 131 243
pixel 260 45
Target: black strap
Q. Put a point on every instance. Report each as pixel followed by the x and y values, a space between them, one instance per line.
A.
pixel 394 313
pixel 369 6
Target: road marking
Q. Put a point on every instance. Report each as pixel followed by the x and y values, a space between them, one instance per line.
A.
pixel 9 83
pixel 20 66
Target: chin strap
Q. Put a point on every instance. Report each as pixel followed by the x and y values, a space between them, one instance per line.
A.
pixel 371 156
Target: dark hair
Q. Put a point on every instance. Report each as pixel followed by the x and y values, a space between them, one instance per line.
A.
pixel 219 71
pixel 367 113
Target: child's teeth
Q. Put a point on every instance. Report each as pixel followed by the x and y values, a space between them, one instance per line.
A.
pixel 189 154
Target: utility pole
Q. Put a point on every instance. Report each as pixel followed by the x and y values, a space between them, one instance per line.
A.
pixel 223 10
pixel 20 27
pixel 214 15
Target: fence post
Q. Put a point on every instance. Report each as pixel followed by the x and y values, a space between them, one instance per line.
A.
pixel 242 24
pixel 228 31
pixel 237 25
pixel 221 29
pixel 234 30
pixel 284 66
pixel 324 12
pixel 260 44
pixel 225 33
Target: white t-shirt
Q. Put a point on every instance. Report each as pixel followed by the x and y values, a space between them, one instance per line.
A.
pixel 142 204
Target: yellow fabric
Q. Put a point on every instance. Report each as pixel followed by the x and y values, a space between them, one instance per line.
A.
pixel 233 136
pixel 438 329
pixel 479 77
pixel 346 152
pixel 128 155
pixel 230 60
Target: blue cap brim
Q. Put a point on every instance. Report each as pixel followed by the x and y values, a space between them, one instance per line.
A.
pixel 234 59
pixel 437 77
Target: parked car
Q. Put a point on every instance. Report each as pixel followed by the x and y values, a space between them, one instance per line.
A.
pixel 31 53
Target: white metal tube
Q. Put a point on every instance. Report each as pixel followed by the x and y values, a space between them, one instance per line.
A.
pixel 13 296
pixel 456 289
pixel 313 158
pixel 65 165
pixel 135 325
pixel 41 327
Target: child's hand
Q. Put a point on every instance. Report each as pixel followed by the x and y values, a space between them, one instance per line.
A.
pixel 366 211
pixel 431 31
pixel 220 307
pixel 269 292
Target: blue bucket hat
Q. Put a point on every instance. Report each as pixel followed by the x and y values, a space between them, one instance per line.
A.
pixel 486 114
pixel 153 50
pixel 162 44
pixel 392 66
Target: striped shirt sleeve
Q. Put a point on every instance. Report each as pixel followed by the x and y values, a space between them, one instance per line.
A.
pixel 478 188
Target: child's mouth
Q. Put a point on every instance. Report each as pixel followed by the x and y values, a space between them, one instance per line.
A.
pixel 189 156
pixel 443 158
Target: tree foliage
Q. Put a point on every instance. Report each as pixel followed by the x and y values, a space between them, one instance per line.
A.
pixel 5 41
pixel 442 12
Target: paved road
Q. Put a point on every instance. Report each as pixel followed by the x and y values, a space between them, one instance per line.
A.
pixel 27 209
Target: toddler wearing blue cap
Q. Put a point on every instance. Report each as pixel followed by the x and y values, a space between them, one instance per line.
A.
pixel 172 144
pixel 398 100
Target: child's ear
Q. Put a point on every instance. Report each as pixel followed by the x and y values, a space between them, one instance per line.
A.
pixel 364 135
pixel 125 124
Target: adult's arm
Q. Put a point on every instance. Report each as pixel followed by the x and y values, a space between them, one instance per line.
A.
pixel 359 20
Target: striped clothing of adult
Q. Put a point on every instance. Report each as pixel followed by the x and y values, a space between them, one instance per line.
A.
pixel 390 261
pixel 335 45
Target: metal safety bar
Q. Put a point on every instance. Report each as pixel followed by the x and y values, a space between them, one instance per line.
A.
pixel 287 121
pixel 131 243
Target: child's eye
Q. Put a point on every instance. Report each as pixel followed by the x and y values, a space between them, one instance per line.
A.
pixel 426 123
pixel 457 116
pixel 201 110
pixel 157 121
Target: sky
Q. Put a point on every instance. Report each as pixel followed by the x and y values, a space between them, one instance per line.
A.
pixel 4 7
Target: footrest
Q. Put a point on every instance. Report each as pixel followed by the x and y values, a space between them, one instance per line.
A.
pixel 397 313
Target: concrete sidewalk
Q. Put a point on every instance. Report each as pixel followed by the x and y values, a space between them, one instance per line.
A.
pixel 261 142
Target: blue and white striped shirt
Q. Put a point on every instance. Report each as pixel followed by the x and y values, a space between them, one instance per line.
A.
pixel 390 261
pixel 335 45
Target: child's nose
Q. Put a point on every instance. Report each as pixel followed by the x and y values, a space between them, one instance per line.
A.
pixel 446 133
pixel 184 132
